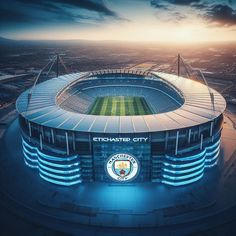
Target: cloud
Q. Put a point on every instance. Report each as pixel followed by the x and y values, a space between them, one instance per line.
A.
pixel 175 10
pixel 165 4
pixel 214 13
pixel 199 5
pixel 49 12
pixel 183 2
pixel 177 16
pixel 157 4
pixel 11 16
pixel 58 5
pixel 221 14
pixel 97 6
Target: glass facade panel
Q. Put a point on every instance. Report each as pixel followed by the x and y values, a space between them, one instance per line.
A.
pixel 151 155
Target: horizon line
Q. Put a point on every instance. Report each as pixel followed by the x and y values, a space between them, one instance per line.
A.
pixel 125 41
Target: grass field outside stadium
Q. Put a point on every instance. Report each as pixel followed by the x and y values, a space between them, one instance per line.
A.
pixel 119 106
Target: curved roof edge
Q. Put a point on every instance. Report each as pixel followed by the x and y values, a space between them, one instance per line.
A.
pixel 197 108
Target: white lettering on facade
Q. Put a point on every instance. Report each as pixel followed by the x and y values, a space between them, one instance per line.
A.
pixel 120 139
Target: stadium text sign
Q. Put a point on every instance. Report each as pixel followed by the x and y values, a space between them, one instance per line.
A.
pixel 120 139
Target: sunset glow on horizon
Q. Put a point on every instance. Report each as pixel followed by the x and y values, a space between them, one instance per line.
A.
pixel 137 20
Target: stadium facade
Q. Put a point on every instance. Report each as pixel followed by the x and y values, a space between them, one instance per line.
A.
pixel 121 126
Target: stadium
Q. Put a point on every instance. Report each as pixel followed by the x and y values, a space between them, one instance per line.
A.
pixel 121 126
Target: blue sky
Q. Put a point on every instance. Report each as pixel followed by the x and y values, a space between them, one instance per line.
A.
pixel 135 20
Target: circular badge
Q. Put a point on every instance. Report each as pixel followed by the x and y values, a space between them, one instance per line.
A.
pixel 122 167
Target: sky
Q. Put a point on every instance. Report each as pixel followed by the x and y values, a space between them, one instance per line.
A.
pixel 128 20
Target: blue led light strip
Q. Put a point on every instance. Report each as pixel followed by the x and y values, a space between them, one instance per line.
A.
pixel 59 176
pixel 58 165
pixel 25 143
pixel 214 145
pixel 185 165
pixel 192 163
pixel 194 168
pixel 183 176
pixel 38 158
pixel 51 158
pixel 213 158
pixel 189 158
pixel 31 166
pixel 28 158
pixel 60 182
pixel 201 172
pixel 58 171
pixel 48 157
pixel 39 155
pixel 30 153
pixel 184 171
pixel 212 152
pixel 211 165
pixel 52 164
pixel 182 182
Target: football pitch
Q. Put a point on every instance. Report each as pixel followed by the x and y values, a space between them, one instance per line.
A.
pixel 119 106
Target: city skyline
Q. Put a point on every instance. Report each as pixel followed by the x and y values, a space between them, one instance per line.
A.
pixel 131 20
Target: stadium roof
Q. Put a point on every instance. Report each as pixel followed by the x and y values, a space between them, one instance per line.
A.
pixel 44 110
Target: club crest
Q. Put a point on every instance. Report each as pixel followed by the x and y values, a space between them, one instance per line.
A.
pixel 122 167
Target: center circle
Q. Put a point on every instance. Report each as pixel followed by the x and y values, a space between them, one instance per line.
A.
pixel 122 167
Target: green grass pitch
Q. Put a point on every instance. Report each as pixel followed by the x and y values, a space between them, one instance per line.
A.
pixel 119 106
